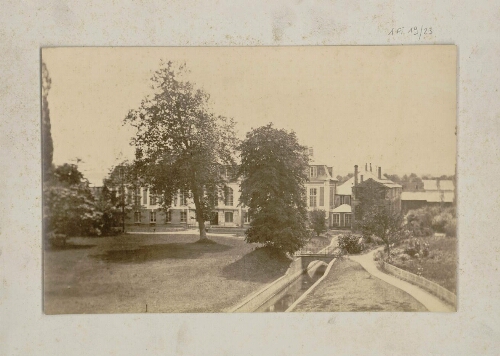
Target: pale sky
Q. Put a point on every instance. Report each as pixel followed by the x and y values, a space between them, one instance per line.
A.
pixel 392 106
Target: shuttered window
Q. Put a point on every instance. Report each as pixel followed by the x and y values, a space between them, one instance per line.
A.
pixel 322 196
pixel 332 196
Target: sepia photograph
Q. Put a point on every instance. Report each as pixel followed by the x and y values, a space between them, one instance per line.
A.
pixel 249 179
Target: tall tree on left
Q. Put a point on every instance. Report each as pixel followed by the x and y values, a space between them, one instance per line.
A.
pixel 181 144
pixel 47 146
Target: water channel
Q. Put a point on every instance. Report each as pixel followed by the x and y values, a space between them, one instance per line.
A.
pixel 287 296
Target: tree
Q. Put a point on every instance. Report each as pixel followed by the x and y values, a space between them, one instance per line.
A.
pixel 47 145
pixel 181 144
pixel 69 206
pixel 273 170
pixel 384 224
pixel 119 179
pixel 318 221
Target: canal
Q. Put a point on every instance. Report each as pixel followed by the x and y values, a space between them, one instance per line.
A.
pixel 286 297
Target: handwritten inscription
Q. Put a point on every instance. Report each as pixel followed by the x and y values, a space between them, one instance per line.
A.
pixel 415 31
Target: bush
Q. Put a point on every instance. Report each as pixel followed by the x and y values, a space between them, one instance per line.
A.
pixel 317 220
pixel 350 243
pixel 451 228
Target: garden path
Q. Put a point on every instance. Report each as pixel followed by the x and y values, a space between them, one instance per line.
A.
pixel 431 302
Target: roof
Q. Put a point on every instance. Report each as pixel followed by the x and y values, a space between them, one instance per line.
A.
pixel 346 187
pixel 444 184
pixel 430 196
pixel 344 208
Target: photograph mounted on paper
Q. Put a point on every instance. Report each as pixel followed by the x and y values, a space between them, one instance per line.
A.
pixel 249 179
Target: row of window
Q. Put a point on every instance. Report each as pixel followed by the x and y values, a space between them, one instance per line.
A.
pixel 183 197
pixel 228 216
pixel 336 219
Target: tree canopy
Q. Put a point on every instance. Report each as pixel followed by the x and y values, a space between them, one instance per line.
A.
pixel 273 170
pixel 47 145
pixel 181 144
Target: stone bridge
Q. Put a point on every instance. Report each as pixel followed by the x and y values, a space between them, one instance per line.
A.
pixel 303 260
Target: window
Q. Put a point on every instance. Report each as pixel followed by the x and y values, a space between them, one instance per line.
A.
pixel 332 201
pixel 336 219
pixel 312 197
pixel 184 197
pixel 137 217
pixel 152 198
pixel 183 216
pixel 168 217
pixel 312 172
pixel 137 196
pixel 347 220
pixel 246 217
pixel 321 196
pixel 145 196
pixel 229 197
pixel 152 216
pixel 346 200
pixel 228 217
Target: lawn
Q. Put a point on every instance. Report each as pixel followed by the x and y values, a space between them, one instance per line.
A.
pixel 349 288
pixel 135 273
pixel 441 264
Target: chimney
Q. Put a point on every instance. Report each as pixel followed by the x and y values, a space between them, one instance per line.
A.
pixel 379 172
pixel 361 178
pixel 355 175
pixel 370 167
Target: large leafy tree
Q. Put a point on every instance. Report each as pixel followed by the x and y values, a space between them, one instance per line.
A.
pixel 69 204
pixel 386 225
pixel 181 144
pixel 273 168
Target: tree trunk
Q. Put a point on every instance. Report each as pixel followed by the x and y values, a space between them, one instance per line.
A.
pixel 199 214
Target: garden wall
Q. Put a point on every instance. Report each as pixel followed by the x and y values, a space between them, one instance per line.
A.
pixel 432 287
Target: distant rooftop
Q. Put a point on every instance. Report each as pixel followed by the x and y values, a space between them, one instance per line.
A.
pixel 432 184
pixel 429 196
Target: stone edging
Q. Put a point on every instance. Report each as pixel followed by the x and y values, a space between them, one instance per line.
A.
pixel 430 286
pixel 303 296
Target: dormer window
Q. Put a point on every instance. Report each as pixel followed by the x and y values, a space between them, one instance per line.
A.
pixel 313 173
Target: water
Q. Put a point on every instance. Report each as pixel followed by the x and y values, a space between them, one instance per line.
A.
pixel 286 297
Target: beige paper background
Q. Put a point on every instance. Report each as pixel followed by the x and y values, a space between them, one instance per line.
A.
pixel 473 27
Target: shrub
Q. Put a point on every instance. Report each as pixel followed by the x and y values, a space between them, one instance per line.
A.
pixel 317 220
pixel 350 243
pixel 451 228
pixel 404 257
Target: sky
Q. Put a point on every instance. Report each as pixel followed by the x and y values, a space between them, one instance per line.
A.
pixel 392 106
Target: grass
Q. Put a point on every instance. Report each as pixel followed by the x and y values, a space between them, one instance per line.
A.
pixel 349 288
pixel 154 273
pixel 441 265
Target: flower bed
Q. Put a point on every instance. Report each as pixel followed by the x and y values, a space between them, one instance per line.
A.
pixel 439 264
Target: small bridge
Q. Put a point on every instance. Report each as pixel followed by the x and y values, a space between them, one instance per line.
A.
pixel 326 255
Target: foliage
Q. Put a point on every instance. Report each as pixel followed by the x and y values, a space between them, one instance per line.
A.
pixel 47 145
pixel 384 224
pixel 425 221
pixel 273 170
pixel 113 200
pixel 350 243
pixel 69 207
pixel 180 143
pixel 318 221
